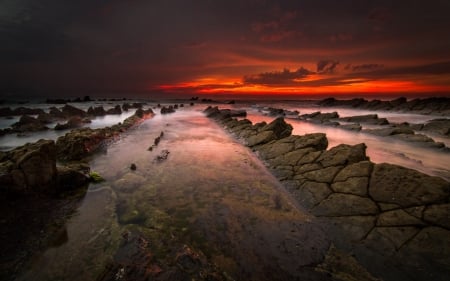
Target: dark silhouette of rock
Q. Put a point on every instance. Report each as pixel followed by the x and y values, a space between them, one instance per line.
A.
pixel 115 110
pixel 367 119
pixel 96 111
pixel 69 110
pixel 133 167
pixel 56 113
pixel 28 124
pixel 73 122
pixel 440 105
pixel 167 110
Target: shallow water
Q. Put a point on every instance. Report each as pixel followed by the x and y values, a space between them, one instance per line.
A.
pixel 211 194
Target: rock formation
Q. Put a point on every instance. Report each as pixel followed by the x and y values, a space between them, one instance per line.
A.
pixel 394 214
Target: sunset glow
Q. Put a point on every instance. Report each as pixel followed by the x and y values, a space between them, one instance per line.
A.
pixel 355 85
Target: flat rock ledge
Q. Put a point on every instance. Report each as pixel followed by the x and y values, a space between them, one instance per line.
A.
pixel 394 220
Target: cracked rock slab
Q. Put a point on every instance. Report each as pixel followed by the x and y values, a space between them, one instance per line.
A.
pixel 338 205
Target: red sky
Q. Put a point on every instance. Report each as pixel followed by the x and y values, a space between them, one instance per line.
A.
pixel 225 47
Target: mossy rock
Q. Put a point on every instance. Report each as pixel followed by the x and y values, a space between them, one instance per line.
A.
pixel 95 177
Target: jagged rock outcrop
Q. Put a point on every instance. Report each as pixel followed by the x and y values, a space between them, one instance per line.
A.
pixel 28 124
pixel 80 143
pixel 32 168
pixel 399 214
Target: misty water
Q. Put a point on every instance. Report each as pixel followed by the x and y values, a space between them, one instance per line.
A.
pixel 210 194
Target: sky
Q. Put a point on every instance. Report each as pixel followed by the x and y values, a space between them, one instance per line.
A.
pixel 244 47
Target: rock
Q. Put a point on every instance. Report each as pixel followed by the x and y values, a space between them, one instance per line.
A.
pixel 312 193
pixel 338 204
pixel 438 215
pixel 360 169
pixel 323 175
pixel 318 141
pixel 391 239
pixel 354 185
pixel 279 127
pixel 350 228
pixel 420 140
pixel 77 144
pixel 398 218
pixel 433 243
pixel 31 167
pixel 56 113
pixel 406 187
pixel 351 127
pixel 343 154
pixel 384 132
pixel 73 122
pixel 71 177
pixel 319 117
pixel 167 110
pixel 162 155
pixel 28 124
pixel 116 110
pixel 69 111
pixel 261 138
pixel 96 111
pixel 44 118
pixel 440 126
pixel 367 119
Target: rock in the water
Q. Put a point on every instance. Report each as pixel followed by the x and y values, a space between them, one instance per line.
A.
pixel 73 122
pixel 69 110
pixel 440 126
pixel 28 124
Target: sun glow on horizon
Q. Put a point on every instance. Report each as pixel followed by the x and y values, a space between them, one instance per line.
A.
pixel 211 85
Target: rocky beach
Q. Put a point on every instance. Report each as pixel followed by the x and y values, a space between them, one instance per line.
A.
pixel 181 191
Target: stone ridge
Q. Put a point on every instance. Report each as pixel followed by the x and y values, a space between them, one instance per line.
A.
pixel 399 213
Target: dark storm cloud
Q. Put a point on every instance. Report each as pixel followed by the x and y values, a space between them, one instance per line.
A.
pixel 285 77
pixel 326 66
pixel 139 44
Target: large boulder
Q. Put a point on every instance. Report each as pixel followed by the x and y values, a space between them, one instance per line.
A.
pixel 30 167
